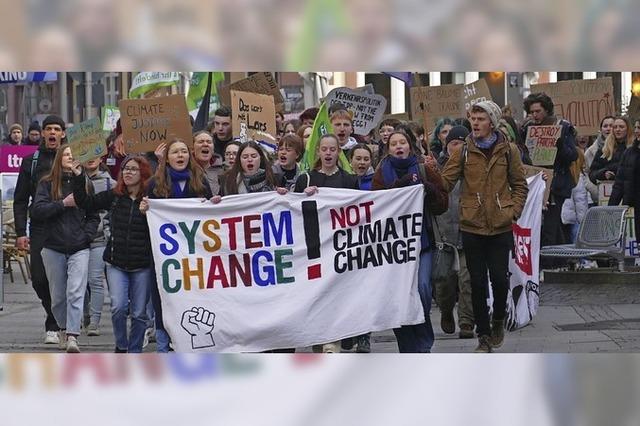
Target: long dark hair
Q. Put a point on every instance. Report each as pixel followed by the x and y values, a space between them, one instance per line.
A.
pixel 231 177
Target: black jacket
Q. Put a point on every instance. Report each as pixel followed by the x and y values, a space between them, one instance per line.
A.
pixel 562 182
pixel 26 189
pixel 626 187
pixel 601 165
pixel 340 179
pixel 68 229
pixel 129 245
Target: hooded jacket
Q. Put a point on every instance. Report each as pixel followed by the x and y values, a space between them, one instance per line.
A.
pixel 69 229
pixel 26 189
pixel 493 190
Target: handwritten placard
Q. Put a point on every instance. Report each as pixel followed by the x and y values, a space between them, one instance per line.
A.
pixel 541 142
pixel 262 83
pixel 146 123
pixel 584 103
pixel 367 109
pixel 110 116
pixel 253 116
pixel 87 140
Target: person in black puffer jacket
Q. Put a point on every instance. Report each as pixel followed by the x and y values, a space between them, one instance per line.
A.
pixel 626 188
pixel 128 257
pixel 65 252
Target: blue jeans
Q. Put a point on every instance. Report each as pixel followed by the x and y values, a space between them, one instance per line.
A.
pixel 129 295
pixel 419 338
pixel 94 297
pixel 67 275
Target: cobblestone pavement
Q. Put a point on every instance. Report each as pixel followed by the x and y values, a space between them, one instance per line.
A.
pixel 571 318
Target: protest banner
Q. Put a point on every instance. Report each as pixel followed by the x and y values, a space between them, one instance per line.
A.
pixel 146 123
pixel 524 266
pixel 367 109
pixel 584 103
pixel 253 116
pixel 110 116
pixel 11 157
pixel 541 143
pixel 294 272
pixel 530 171
pixel 262 83
pixel 604 193
pixel 87 140
pixel 145 82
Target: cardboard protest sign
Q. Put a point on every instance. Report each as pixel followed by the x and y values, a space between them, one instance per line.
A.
pixel 295 272
pixel 253 116
pixel 584 103
pixel 110 116
pixel 262 83
pixel 146 123
pixel 87 140
pixel 530 171
pixel 475 92
pixel 11 157
pixel 541 142
pixel 633 109
pixel 367 109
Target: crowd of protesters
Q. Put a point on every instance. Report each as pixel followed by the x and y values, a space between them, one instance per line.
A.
pixel 89 218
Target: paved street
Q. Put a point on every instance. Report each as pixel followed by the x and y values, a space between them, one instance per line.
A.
pixel 571 318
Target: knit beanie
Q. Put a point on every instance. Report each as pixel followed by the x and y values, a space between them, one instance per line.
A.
pixel 53 119
pixel 15 126
pixel 493 110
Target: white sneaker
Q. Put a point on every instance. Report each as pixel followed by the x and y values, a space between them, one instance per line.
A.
pixel 145 339
pixel 62 339
pixel 93 330
pixel 51 338
pixel 72 345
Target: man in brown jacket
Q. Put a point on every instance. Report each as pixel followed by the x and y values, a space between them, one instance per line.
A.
pixel 493 194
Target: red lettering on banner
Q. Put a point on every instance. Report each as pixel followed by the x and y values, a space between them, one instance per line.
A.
pixel 522 239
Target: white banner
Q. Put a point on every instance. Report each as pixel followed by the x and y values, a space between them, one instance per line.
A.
pixel 524 266
pixel 266 271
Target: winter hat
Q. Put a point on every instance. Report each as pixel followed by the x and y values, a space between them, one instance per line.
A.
pixel 53 119
pixel 34 126
pixel 491 108
pixel 15 126
pixel 458 133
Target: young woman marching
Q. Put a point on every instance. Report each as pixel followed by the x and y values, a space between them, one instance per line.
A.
pixel 70 231
pixel 250 173
pixel 177 177
pixel 326 173
pixel 399 169
pixel 127 255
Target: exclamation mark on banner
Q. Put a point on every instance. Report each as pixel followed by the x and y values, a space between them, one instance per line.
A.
pixel 312 237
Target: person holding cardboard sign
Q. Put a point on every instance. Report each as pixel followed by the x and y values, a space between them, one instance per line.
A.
pixel 540 107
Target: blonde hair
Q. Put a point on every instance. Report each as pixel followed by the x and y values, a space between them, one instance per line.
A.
pixel 610 143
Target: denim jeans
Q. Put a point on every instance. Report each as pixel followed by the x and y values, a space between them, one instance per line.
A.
pixel 67 275
pixel 94 297
pixel 129 292
pixel 419 337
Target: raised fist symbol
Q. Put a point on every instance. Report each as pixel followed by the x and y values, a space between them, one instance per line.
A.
pixel 198 322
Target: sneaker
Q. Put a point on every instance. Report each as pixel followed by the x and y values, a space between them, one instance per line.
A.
pixel 51 338
pixel 120 351
pixel 145 338
pixel 62 339
pixel 483 345
pixel 151 332
pixel 72 345
pixel 347 344
pixel 93 330
pixel 466 331
pixel 364 344
pixel 331 348
pixel 448 322
pixel 497 333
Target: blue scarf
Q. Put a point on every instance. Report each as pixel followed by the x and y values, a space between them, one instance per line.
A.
pixel 176 177
pixel 486 143
pixel 395 168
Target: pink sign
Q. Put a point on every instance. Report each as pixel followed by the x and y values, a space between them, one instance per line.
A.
pixel 11 157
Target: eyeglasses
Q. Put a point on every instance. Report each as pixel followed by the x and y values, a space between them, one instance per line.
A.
pixel 130 170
